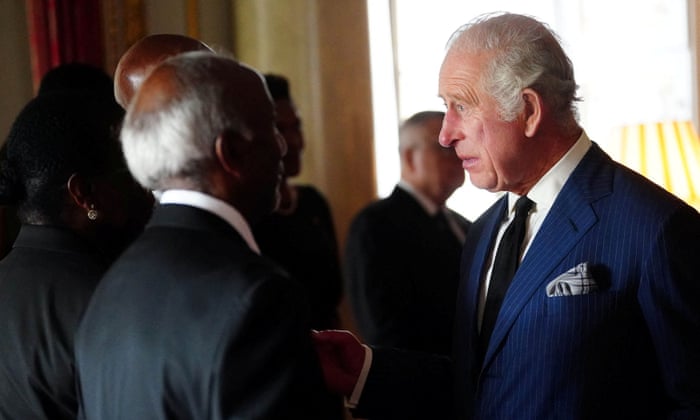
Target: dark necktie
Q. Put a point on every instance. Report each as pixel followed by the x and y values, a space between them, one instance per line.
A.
pixel 504 267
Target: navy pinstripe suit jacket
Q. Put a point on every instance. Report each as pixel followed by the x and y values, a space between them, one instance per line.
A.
pixel 630 350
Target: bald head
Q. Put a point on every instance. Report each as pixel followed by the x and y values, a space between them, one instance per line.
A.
pixel 203 80
pixel 139 60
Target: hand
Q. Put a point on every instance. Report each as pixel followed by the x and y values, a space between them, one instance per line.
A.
pixel 341 355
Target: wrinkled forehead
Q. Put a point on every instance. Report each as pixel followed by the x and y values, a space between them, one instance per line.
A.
pixel 462 70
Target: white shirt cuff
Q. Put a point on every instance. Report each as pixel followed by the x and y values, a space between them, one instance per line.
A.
pixel 360 385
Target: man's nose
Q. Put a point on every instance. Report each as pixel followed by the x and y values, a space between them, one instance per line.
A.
pixel 447 135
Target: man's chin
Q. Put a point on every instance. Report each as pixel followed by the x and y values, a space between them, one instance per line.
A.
pixel 483 184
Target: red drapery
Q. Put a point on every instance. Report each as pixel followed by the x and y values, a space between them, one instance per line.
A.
pixel 63 31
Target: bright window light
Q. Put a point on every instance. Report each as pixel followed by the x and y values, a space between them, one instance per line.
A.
pixel 632 61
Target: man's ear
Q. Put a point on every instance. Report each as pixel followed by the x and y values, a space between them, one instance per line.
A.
pixel 409 157
pixel 81 191
pixel 231 150
pixel 534 107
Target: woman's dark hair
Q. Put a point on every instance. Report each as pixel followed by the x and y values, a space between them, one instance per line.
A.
pixel 77 77
pixel 278 86
pixel 58 133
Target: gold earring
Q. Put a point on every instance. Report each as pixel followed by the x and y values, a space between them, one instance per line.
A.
pixel 92 214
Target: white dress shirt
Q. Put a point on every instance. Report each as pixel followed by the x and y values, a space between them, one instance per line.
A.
pixel 213 205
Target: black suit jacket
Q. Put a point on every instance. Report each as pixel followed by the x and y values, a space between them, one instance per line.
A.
pixel 190 323
pixel 304 243
pixel 402 270
pixel 45 284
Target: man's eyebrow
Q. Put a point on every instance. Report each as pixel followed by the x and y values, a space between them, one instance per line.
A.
pixel 463 96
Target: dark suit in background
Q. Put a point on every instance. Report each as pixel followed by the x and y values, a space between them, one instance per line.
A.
pixel 402 252
pixel 299 235
pixel 45 284
pixel 402 270
pixel 304 243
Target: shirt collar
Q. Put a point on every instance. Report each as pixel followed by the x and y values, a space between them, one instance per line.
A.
pixel 213 205
pixel 545 191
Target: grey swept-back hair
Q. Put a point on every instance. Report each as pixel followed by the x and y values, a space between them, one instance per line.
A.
pixel 524 53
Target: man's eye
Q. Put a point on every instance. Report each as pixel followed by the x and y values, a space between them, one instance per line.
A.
pixel 460 108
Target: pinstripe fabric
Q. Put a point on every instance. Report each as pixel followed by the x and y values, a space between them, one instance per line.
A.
pixel 629 350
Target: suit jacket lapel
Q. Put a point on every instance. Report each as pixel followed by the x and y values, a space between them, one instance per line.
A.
pixel 570 217
pixel 476 251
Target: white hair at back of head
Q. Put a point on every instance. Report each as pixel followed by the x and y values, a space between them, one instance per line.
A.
pixel 176 140
pixel 524 53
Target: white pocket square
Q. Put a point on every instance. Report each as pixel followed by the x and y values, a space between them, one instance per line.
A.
pixel 576 281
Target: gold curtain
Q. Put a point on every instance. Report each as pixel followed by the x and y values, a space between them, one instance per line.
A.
pixel 125 23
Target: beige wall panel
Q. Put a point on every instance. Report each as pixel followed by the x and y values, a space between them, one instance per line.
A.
pixel 15 68
pixel 322 46
pixel 694 41
pixel 215 26
pixel 165 16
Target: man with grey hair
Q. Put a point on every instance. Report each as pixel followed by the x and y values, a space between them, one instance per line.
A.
pixel 191 322
pixel 402 252
pixel 579 295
